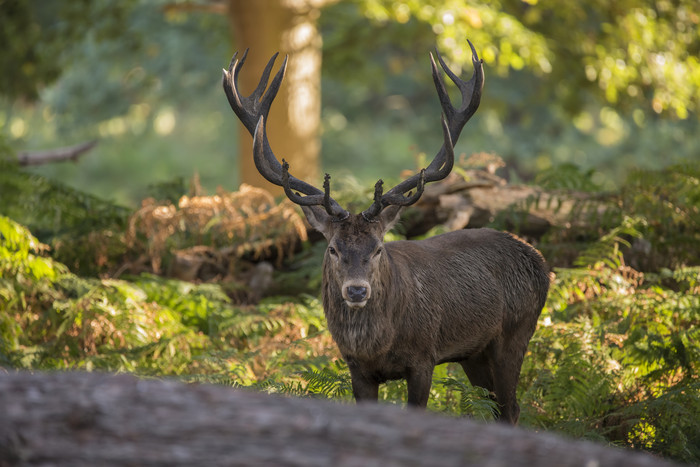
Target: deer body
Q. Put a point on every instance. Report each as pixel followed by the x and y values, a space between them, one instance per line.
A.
pixel 445 313
pixel 396 310
pixel 470 296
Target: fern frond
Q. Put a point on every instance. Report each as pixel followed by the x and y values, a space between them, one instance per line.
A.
pixel 607 249
pixel 474 401
pixel 328 382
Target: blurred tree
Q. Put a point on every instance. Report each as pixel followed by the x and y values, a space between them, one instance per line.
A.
pixel 288 27
pixel 37 38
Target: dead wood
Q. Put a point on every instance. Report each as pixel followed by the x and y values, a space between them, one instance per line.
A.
pixel 81 419
pixel 476 197
pixel 71 153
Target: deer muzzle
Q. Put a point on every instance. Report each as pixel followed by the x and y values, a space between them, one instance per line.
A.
pixel 356 293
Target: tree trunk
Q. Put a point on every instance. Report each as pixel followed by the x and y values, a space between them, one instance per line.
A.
pixel 287 27
pixel 86 419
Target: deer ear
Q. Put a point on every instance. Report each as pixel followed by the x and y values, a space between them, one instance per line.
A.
pixel 389 216
pixel 318 218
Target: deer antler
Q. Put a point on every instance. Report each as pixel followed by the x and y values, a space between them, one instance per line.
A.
pixel 452 123
pixel 252 111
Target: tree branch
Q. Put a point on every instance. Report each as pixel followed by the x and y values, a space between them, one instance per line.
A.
pixel 55 155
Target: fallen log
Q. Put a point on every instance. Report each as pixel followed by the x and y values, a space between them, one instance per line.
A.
pixel 475 198
pixel 87 419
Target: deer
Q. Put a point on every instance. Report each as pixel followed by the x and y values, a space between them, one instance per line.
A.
pixel 397 309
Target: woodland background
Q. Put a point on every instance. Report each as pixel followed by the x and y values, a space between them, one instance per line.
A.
pixel 148 256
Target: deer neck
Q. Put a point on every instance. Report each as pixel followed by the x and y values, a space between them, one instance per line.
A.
pixel 360 332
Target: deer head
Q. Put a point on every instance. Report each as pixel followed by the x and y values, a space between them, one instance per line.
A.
pixel 355 241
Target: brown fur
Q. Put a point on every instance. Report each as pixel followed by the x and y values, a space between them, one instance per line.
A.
pixel 470 296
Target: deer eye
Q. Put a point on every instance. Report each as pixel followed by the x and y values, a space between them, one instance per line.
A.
pixel 332 251
pixel 378 252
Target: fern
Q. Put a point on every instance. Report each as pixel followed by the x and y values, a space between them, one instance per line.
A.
pixel 668 423
pixel 576 393
pixel 615 357
pixel 286 388
pixel 567 176
pixel 83 230
pixel 474 402
pixel 607 248
pixel 328 382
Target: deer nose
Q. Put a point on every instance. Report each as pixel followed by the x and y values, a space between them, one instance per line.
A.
pixel 356 293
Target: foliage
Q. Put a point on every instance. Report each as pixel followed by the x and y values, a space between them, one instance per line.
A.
pixel 247 222
pixel 93 236
pixel 143 81
pixel 85 232
pixel 666 221
pixel 148 325
pixel 49 207
pixel 37 35
pixel 635 53
pixel 669 202
pixel 379 108
pixel 375 91
pixel 615 357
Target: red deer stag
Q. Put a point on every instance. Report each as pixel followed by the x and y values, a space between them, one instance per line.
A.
pixel 397 309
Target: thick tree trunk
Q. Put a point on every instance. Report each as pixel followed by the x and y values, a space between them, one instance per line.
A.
pixel 88 419
pixel 287 27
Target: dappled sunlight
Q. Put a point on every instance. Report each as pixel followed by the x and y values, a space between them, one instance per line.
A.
pixel 133 123
pixel 165 121
pixel 18 128
pixel 113 127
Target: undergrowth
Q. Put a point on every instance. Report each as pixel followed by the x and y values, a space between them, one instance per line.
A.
pixel 615 357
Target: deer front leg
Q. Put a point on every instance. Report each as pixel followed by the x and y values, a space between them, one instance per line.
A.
pixel 365 391
pixel 363 388
pixel 419 381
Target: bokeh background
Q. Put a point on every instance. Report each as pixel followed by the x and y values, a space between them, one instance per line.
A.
pixel 605 86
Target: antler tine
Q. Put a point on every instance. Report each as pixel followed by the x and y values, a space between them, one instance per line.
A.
pixel 452 123
pixel 376 206
pixel 248 109
pixel 396 195
pixel 252 112
pixel 324 199
pixel 399 199
pixel 291 184
pixel 321 199
pixel 310 200
pixel 445 102
pixel 470 91
pixel 230 84
pixel 261 107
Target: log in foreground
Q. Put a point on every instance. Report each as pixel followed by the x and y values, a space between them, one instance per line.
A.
pixel 81 419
